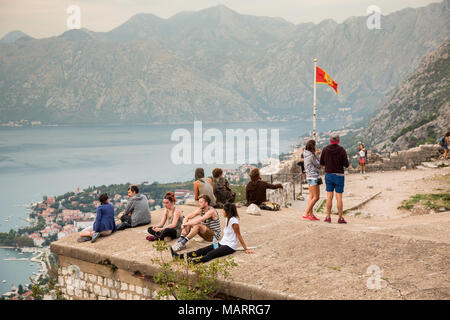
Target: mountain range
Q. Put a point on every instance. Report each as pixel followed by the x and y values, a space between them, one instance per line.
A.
pixel 214 65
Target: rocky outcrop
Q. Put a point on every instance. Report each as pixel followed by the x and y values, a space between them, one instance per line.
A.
pixel 418 111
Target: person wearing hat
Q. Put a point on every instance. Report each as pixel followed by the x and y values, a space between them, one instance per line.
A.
pixel 334 158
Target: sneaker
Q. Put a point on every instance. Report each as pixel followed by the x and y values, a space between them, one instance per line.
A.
pixel 151 238
pixel 314 218
pixel 341 220
pixel 95 236
pixel 327 219
pixel 178 246
pixel 174 255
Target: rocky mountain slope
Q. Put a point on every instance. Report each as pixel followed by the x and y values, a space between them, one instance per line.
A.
pixel 215 65
pixel 418 111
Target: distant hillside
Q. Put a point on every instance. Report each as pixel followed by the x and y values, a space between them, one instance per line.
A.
pixel 418 111
pixel 215 65
pixel 14 36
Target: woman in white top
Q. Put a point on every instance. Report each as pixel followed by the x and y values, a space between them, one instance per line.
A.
pixel 226 246
pixel 362 158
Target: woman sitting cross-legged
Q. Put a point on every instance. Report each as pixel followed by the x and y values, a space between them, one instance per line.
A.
pixel 226 246
pixel 174 218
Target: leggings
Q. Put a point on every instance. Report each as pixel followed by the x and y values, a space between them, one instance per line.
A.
pixel 167 232
pixel 208 253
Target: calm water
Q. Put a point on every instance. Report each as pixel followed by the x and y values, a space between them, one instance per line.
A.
pixel 38 161
pixel 16 272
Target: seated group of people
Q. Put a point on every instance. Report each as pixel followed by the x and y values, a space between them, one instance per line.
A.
pixel 219 191
pixel 136 213
pixel 210 193
pixel 205 221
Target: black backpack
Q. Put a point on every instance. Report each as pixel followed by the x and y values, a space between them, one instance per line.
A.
pixel 223 193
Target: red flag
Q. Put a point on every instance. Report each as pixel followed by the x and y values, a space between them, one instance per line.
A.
pixel 323 77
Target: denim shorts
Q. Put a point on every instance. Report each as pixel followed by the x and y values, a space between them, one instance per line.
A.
pixel 312 181
pixel 334 182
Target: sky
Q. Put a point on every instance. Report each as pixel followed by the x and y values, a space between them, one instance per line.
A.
pixel 46 18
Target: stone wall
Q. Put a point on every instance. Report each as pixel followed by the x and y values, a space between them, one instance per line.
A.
pixel 407 158
pixel 288 174
pixel 281 196
pixel 81 280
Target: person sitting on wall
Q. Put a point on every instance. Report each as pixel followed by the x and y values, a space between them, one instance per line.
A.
pixel 255 192
pixel 104 224
pixel 137 212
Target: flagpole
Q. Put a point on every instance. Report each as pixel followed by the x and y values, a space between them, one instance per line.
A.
pixel 314 105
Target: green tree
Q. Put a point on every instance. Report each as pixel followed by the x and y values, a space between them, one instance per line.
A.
pixel 20 290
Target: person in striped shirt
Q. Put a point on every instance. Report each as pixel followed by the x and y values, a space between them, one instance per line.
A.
pixel 205 221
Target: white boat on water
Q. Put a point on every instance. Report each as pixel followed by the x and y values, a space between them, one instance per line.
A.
pixel 4 281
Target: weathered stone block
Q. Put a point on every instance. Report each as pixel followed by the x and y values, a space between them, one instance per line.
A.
pixel 114 294
pixel 105 292
pixel 110 283
pixel 97 289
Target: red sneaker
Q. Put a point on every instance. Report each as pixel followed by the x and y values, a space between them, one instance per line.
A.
pixel 341 220
pixel 307 218
pixel 314 218
pixel 327 219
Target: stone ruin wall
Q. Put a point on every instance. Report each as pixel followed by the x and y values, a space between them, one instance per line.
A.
pixel 81 280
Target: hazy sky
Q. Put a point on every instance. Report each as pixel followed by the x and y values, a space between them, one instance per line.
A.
pixel 44 18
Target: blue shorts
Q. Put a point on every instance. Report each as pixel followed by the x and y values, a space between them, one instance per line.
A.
pixel 333 182
pixel 312 181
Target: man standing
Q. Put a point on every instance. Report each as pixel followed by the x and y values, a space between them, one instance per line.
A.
pixel 335 159
pixel 137 212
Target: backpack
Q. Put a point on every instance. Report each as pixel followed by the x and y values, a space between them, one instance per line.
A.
pixel 267 205
pixel 442 141
pixel 222 191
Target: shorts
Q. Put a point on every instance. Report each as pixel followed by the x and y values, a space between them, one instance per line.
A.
pixel 312 181
pixel 334 182
pixel 445 146
pixel 362 160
